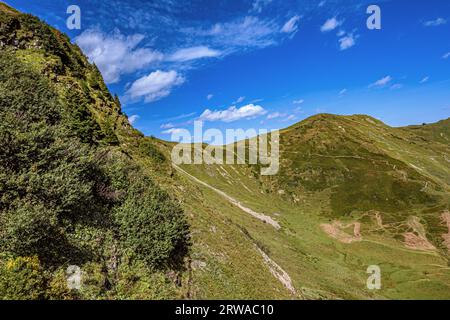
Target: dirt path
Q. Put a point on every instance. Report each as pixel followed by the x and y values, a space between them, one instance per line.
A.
pixel 274 268
pixel 233 201
pixel 278 272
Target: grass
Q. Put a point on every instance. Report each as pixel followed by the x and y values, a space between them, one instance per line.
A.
pixel 320 266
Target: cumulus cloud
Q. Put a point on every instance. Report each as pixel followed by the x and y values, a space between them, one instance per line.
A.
pixel 300 101
pixel 291 25
pixel 155 86
pixel 132 119
pixel 330 25
pixel 381 83
pixel 435 23
pixel 231 114
pixel 116 54
pixel 347 42
pixel 194 53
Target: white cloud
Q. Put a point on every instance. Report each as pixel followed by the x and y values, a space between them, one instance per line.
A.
pixel 298 101
pixel 381 83
pixel 132 119
pixel 233 114
pixel 321 3
pixel 239 100
pixel 167 125
pixel 290 118
pixel 291 25
pixel 298 110
pixel 396 86
pixel 347 42
pixel 155 86
pixel 258 5
pixel 182 116
pixel 116 54
pixel 424 80
pixel 330 25
pixel 242 33
pixel 209 96
pixel 173 131
pixel 342 92
pixel 275 115
pixel 194 53
pixel 445 56
pixel 435 23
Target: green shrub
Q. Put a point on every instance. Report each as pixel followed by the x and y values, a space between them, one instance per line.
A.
pixel 22 279
pixel 152 227
pixel 81 121
pixel 148 149
pixel 48 179
pixel 65 198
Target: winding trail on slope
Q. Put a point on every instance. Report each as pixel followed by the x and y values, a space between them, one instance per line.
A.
pixel 278 272
pixel 274 268
pixel 233 201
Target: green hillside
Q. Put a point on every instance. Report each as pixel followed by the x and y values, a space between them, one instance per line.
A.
pixel 80 186
pixel 351 192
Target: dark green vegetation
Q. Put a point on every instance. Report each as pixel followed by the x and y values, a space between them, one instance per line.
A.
pixel 69 195
pixel 80 186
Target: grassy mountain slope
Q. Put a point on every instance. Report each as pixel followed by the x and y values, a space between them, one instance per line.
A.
pixel 351 192
pixel 436 132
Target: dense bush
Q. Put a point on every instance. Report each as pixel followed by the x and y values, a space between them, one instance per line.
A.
pixel 152 227
pixel 80 119
pixel 21 278
pixel 148 149
pixel 47 178
pixel 66 199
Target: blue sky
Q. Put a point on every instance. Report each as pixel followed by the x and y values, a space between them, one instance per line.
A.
pixel 263 63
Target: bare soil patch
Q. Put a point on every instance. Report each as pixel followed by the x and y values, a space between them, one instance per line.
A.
pixel 417 239
pixel 446 219
pixel 337 230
